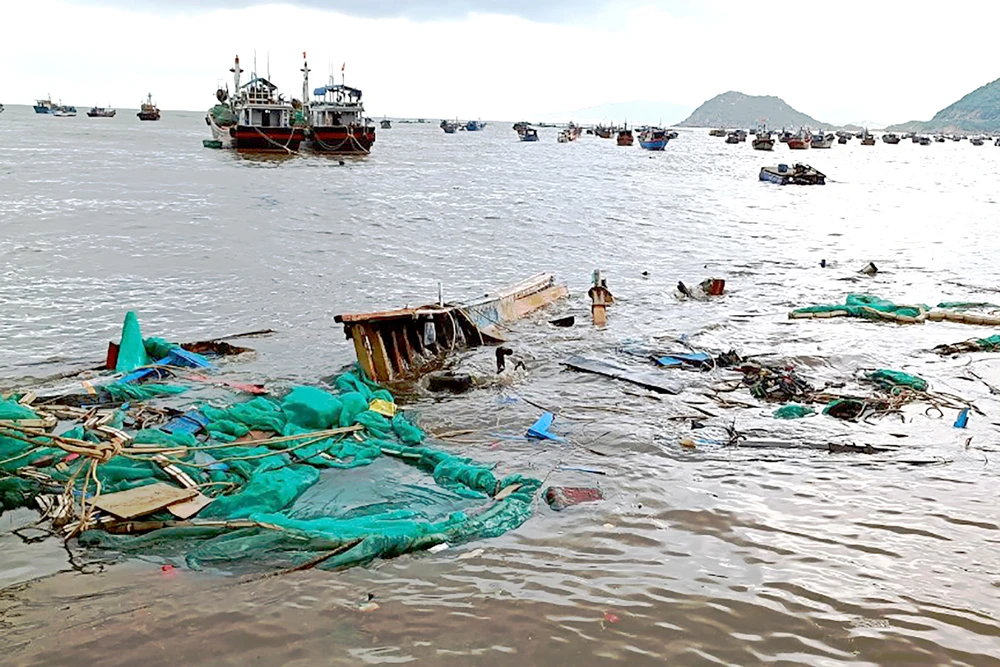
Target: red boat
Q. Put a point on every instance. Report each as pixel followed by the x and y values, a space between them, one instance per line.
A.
pixel 264 121
pixel 337 122
pixel 800 141
pixel 625 137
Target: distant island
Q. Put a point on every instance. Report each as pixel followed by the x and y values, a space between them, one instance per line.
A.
pixel 734 109
pixel 979 111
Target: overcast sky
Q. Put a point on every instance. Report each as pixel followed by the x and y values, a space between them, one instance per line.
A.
pixel 839 61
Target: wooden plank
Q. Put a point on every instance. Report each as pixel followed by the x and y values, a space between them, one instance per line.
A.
pixel 361 351
pixel 380 360
pixel 400 366
pixel 143 500
pixel 188 508
pixel 373 317
pixel 532 302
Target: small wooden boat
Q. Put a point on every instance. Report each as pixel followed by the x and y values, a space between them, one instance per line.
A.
pixel 867 139
pixel 604 132
pixel 976 141
pixel 520 127
pixel 939 139
pixel 385 124
pixel 890 138
pixel 474 126
pixel 403 344
pixel 799 174
pixel 926 141
pixel 624 137
pixel 762 140
pixel 718 133
pixel 449 127
pixel 529 134
pixel 732 138
pixel 822 140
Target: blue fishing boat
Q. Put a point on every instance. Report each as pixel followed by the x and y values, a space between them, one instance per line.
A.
pixel 653 138
pixel 45 106
pixel 474 126
pixel 529 134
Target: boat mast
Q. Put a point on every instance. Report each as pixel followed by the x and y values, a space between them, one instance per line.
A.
pixel 305 82
pixel 236 70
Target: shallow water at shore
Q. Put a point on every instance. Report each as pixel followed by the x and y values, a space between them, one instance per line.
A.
pixel 714 554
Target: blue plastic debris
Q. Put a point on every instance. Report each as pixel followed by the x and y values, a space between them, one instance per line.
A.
pixel 189 422
pixel 963 418
pixel 540 429
pixel 676 360
pixel 181 357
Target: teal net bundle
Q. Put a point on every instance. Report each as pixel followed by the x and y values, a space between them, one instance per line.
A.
pixel 316 475
pixel 863 306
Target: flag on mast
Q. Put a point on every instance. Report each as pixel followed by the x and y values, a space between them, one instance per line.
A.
pixel 342 67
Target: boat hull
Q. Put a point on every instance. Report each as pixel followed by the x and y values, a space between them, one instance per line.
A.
pixel 148 115
pixel 267 139
pixel 798 144
pixel 39 109
pixel 342 139
pixel 791 176
pixel 654 145
pixel 763 144
pixel 529 137
pixel 625 141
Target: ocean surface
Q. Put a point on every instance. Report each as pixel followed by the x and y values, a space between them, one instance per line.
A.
pixel 708 555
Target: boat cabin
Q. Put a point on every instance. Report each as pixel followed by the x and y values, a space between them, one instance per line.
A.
pixel 259 107
pixel 337 104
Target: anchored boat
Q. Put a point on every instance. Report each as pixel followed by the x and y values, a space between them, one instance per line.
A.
pixel 386 124
pixel 800 174
pixel 337 122
pixel 890 138
pixel 868 139
pixel 264 121
pixel 822 140
pixel 449 127
pixel 717 133
pixel 653 138
pixel 474 126
pixel 148 110
pixel 45 106
pixel 624 137
pixel 762 140
pixel 528 134
pixel 101 112
pixel 800 141
pixel 64 110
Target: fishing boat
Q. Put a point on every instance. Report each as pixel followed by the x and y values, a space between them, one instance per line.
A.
pixel 521 126
pixel 762 140
pixel 564 137
pixel 148 109
pixel 890 138
pixel 64 111
pixel 1 108
pixel 574 131
pixel 843 140
pixel 976 141
pixel 604 132
pixel 939 139
pixel 799 174
pixel 386 124
pixel 718 133
pixel 867 139
pixel 101 112
pixel 528 134
pixel 653 138
pixel 800 140
pixel 222 120
pixel 337 122
pixel 474 126
pixel 822 140
pixel 624 137
pixel 45 106
pixel 732 138
pixel 258 120
pixel 926 141
pixel 449 127
pixel 915 138
pixel 672 134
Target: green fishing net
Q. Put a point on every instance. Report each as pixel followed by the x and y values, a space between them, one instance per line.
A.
pixel 863 305
pixel 314 474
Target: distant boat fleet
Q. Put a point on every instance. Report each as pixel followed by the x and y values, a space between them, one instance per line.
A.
pixel 148 110
pixel 804 138
pixel 650 138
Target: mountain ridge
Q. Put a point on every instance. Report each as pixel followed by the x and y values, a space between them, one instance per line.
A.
pixel 978 111
pixel 735 109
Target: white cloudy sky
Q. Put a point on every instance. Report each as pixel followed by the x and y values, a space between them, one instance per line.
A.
pixel 839 61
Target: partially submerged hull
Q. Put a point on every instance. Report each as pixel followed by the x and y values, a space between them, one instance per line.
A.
pixel 402 344
pixel 267 139
pixel 342 140
pixel 800 174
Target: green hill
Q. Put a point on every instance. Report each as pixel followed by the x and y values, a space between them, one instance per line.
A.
pixel 979 111
pixel 734 109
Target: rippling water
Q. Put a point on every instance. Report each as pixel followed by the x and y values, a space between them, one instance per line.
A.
pixel 712 555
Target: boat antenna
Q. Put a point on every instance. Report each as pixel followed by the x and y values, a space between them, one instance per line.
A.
pixel 254 73
pixel 268 65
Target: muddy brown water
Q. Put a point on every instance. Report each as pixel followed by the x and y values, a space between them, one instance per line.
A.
pixel 711 555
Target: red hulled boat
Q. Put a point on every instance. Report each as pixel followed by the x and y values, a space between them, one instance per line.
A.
pixel 337 122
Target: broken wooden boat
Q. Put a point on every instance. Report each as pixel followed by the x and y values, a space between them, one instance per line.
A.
pixel 405 343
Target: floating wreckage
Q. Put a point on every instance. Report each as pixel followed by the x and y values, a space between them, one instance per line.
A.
pixel 799 174
pixel 403 344
pixel 870 307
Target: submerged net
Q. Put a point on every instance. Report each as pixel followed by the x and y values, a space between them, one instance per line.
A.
pixel 317 475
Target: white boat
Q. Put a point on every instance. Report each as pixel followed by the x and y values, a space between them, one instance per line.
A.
pixel 823 140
